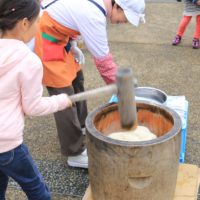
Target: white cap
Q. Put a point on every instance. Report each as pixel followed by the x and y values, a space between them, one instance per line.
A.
pixel 133 10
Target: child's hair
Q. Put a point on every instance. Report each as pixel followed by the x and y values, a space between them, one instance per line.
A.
pixel 11 11
pixel 113 3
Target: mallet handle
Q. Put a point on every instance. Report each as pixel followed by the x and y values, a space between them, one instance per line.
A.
pixel 126 97
pixel 92 94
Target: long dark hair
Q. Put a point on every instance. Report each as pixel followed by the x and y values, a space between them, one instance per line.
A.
pixel 113 3
pixel 11 11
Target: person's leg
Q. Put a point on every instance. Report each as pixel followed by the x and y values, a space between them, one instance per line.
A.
pixel 195 42
pixel 78 85
pixel 181 29
pixel 183 25
pixel 3 184
pixel 20 166
pixel 197 29
pixel 68 126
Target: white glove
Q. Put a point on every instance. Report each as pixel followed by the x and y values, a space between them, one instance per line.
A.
pixel 78 54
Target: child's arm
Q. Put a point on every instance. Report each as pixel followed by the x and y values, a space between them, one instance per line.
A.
pixel 33 103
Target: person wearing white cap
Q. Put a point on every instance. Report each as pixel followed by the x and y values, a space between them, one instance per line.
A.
pixel 61 21
pixel 133 10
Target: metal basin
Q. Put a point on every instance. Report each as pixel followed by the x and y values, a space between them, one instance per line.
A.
pixel 150 94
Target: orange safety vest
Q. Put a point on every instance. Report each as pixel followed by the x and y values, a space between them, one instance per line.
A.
pixel 60 67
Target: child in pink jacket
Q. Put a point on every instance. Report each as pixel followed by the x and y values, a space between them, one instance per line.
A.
pixel 21 94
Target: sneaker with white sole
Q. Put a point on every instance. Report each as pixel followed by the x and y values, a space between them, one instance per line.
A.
pixel 80 161
pixel 83 131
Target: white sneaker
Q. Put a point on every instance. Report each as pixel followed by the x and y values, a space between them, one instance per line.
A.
pixel 80 161
pixel 83 131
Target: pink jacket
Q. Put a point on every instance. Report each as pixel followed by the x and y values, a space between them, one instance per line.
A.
pixel 21 92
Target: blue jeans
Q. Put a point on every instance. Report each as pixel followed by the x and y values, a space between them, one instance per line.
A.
pixel 19 165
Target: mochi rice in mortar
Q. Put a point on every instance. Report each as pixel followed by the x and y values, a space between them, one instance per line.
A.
pixel 141 133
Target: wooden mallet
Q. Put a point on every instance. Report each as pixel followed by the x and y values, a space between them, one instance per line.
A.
pixel 124 88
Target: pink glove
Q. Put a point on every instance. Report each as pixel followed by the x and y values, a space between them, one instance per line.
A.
pixel 107 68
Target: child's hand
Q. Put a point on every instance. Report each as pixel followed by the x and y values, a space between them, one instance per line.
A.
pixel 69 102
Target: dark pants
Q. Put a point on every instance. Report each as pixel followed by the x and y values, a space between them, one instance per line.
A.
pixel 70 120
pixel 19 165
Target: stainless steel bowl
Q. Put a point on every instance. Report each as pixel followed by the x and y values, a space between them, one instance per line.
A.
pixel 150 94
